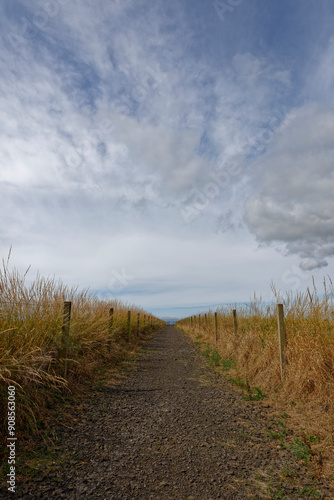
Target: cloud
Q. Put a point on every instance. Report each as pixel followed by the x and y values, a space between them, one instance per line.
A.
pixel 311 264
pixel 117 116
pixel 247 109
pixel 162 150
pixel 319 72
pixel 293 185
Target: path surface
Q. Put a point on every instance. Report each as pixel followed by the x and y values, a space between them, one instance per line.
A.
pixel 171 430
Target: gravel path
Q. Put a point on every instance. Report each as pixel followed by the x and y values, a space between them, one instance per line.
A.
pixel 172 429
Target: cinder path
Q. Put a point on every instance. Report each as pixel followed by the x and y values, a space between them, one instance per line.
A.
pixel 171 430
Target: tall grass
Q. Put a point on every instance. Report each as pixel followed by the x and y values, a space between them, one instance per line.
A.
pixel 31 318
pixel 309 377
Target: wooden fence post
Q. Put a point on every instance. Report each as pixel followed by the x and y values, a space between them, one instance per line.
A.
pixel 144 320
pixel 235 322
pixel 129 324
pixel 281 338
pixel 191 321
pixel 216 328
pixel 111 325
pixel 65 333
pixel 199 324
pixel 205 322
pixel 138 323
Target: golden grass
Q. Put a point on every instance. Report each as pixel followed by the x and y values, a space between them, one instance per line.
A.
pixel 31 318
pixel 307 392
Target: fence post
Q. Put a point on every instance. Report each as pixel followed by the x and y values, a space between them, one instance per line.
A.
pixel 216 328
pixel 281 338
pixel 205 322
pixel 129 324
pixel 235 322
pixel 65 333
pixel 199 324
pixel 138 323
pixel 111 325
pixel 191 322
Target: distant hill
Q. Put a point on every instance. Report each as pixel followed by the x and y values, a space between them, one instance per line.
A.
pixel 169 320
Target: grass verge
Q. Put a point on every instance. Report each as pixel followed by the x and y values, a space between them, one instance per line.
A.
pixel 32 356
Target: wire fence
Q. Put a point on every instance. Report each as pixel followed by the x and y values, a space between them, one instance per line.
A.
pixel 137 323
pixel 283 330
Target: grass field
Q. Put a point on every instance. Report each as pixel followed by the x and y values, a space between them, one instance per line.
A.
pixel 31 356
pixel 251 357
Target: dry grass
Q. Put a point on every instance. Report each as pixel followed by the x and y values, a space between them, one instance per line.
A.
pixel 31 319
pixel 307 392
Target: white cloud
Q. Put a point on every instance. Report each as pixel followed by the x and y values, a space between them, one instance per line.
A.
pixel 247 110
pixel 113 116
pixel 293 203
pixel 311 264
pixel 319 84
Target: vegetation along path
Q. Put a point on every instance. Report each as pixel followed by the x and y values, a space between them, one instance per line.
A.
pixel 172 429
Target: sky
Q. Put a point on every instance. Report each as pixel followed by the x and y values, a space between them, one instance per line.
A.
pixel 177 155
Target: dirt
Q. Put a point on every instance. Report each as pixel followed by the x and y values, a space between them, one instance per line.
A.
pixel 172 429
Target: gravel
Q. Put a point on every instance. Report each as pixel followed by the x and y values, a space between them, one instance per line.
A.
pixel 172 429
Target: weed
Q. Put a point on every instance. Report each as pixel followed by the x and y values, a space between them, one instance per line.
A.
pixel 276 493
pixel 238 381
pixel 300 450
pixel 215 358
pixel 280 434
pixel 255 394
pixel 272 434
pixel 313 438
pixel 287 471
pixel 227 364
pixel 309 491
pixel 284 415
pixel 211 355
